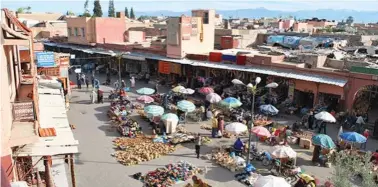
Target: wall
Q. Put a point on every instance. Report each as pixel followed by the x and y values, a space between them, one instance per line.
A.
pixel 173 43
pixel 136 36
pixel 25 55
pixel 333 63
pixel 81 22
pixel 110 29
pixel 248 37
pixel 40 16
pixel 51 29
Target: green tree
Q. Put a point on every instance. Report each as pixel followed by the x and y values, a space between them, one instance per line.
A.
pixel 132 15
pixel 349 167
pixel 86 10
pixel 127 12
pixel 70 13
pixel 28 9
pixel 111 11
pixel 349 20
pixel 97 11
pixel 20 10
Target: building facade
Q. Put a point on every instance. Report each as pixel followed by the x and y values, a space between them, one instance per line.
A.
pixel 92 30
pixel 183 33
pixel 19 101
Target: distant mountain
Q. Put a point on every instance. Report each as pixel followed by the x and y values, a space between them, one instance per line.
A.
pixel 330 14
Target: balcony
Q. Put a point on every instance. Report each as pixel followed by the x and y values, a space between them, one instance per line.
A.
pixel 23 111
pixel 24 124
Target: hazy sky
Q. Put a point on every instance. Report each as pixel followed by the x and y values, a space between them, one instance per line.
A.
pixel 181 5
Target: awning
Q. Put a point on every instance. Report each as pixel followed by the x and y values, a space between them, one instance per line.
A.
pixel 23 133
pixel 52 115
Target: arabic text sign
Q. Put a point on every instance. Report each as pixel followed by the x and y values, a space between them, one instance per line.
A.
pixel 45 59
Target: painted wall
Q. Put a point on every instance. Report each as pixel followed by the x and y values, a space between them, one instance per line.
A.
pixel 51 29
pixel 110 30
pixel 81 22
pixel 135 36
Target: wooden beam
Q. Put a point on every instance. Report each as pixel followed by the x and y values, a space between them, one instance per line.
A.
pixel 16 42
pixel 72 166
pixel 48 176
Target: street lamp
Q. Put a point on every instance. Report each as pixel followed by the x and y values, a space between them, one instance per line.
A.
pixel 253 89
pixel 119 57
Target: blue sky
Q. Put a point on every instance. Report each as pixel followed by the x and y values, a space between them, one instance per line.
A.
pixel 181 5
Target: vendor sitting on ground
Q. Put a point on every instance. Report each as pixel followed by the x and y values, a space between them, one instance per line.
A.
pixel 238 146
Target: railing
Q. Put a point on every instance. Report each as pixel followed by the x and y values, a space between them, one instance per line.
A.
pixel 23 111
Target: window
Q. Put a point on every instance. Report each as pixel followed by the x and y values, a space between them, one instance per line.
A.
pixel 69 32
pixel 83 32
pixel 206 18
pixel 76 31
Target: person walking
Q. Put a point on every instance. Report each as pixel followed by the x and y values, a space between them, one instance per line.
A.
pixel 147 77
pixel 311 120
pixel 198 144
pixel 366 134
pixel 87 82
pixel 79 83
pixel 157 87
pixel 214 129
pixel 116 84
pixel 360 122
pixel 123 84
pixel 221 125
pixel 132 81
pixel 323 127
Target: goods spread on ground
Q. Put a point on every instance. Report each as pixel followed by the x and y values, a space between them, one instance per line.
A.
pixel 169 175
pixel 180 138
pixel 223 158
pixel 133 151
pixel 206 126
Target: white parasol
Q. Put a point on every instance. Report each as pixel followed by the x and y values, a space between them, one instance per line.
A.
pixel 271 181
pixel 271 85
pixel 325 116
pixel 283 151
pixel 186 91
pixel 236 128
pixel 237 81
pixel 213 98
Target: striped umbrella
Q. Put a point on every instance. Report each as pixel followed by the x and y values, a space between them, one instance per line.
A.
pixel 206 90
pixel 145 91
pixel 145 99
pixel 186 106
pixel 231 102
pixel 177 89
pixel 154 110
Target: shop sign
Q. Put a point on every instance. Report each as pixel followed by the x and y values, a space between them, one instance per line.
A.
pixel 176 68
pixel 45 59
pixel 64 61
pixel 164 67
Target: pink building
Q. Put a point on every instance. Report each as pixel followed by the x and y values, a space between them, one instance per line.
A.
pixel 285 24
pixel 303 27
pixel 321 23
pixel 92 30
pixel 19 97
pixel 191 35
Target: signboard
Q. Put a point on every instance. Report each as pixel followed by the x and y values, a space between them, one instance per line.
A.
pixel 45 59
pixel 64 61
pixel 164 67
pixel 186 28
pixel 78 70
pixel 73 56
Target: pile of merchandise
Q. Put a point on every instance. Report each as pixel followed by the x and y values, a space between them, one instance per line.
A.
pixel 206 126
pixel 180 138
pixel 169 175
pixel 223 158
pixel 129 127
pixel 139 149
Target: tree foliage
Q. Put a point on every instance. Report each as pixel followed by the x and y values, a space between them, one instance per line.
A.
pixel 70 13
pixel 86 9
pixel 350 169
pixel 132 15
pixel 111 11
pixel 127 12
pixel 97 11
pixel 20 10
pixel 349 20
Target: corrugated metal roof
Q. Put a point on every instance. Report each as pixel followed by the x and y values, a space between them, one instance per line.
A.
pixel 52 115
pixel 260 70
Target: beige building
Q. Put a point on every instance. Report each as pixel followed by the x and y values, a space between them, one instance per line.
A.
pixel 18 90
pixel 247 37
pixel 191 35
pixel 48 29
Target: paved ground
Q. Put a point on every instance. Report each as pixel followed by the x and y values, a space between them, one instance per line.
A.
pixel 96 167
